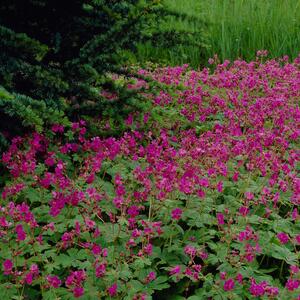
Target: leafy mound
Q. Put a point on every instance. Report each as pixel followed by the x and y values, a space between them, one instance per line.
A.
pixel 202 205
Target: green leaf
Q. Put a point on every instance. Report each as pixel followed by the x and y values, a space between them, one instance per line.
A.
pixel 159 283
pixel 282 253
pixel 8 291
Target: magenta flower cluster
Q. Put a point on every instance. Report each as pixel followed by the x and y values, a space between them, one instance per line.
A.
pixel 201 192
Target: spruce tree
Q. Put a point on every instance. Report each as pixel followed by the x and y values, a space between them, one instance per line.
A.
pixel 55 57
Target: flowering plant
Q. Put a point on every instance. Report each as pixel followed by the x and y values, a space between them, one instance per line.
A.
pixel 202 205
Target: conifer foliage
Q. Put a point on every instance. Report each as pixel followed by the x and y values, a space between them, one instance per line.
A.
pixel 56 56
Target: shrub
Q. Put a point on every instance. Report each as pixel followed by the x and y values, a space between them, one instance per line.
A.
pixel 64 60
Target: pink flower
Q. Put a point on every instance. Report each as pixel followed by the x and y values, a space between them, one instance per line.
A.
pixel 204 182
pixel 7 267
pixel 201 193
pixel 223 275
pixel 211 61
pixel 257 289
pixel 283 238
pixel 190 250
pixel 54 281
pixel 249 195
pixel 129 120
pixel 292 284
pixel 34 269
pixel 244 210
pixel 272 290
pixel 104 252
pixel 239 278
pixel 4 222
pixel 96 249
pixel 57 128
pixel 294 269
pixel 235 177
pixel 21 235
pixel 28 278
pixel 150 277
pixel 100 270
pixel 96 233
pixel 220 218
pixel 229 285
pixel 76 278
pixel 78 291
pixel 89 223
pixel 197 268
pixel 189 272
pixel 133 211
pixel 112 290
pixel 295 214
pixel 50 161
pixel 176 213
pixel 203 255
pixel 175 270
pixel 148 249
pixel 262 53
pixel 220 186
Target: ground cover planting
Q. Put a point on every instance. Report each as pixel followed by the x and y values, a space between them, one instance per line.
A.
pixel 198 199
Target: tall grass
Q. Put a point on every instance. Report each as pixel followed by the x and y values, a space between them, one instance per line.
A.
pixel 236 28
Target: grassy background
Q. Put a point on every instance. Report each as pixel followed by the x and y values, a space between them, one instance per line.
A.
pixel 236 28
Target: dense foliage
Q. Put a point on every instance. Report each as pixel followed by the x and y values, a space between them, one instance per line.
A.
pixel 202 205
pixel 235 29
pixel 57 56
